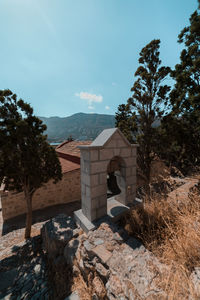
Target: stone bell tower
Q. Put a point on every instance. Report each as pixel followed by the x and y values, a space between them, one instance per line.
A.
pixel 110 152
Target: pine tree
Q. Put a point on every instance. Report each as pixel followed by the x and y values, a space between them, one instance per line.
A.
pixel 27 161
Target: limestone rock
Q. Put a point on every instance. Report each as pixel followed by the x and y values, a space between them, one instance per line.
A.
pixel 124 266
pixel 37 269
pixel 114 287
pixel 138 271
pixel 101 270
pixel 70 251
pixel 99 288
pixel 56 233
pixel 195 278
pixel 101 252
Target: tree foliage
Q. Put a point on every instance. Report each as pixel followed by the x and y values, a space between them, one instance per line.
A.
pixel 125 120
pixel 185 95
pixel 181 128
pixel 177 140
pixel 27 161
pixel 147 104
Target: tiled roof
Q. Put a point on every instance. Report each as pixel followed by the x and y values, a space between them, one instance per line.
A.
pixel 71 147
pixel 69 155
pixel 68 165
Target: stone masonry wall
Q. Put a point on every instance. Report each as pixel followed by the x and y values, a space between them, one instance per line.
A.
pixel 94 167
pixel 67 190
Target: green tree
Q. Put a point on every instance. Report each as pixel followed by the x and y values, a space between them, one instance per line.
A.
pixel 185 95
pixel 147 104
pixel 182 126
pixel 125 121
pixel 27 161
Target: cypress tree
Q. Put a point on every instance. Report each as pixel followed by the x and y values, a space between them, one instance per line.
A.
pixel 146 105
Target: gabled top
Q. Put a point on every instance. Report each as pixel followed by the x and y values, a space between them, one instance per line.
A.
pixel 106 135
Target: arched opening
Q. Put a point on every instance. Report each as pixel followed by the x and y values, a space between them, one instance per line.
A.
pixel 116 187
pixel 115 176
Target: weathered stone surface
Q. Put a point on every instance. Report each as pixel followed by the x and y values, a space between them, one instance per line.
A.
pixel 7 278
pixel 99 288
pixel 102 271
pixel 137 269
pixel 65 191
pixel 26 274
pixel 102 253
pixel 125 267
pixel 195 278
pixel 114 287
pixel 56 233
pixel 98 242
pixel 37 268
pixel 88 246
pixel 108 153
pixel 70 251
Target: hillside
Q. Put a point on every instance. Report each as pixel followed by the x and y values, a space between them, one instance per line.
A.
pixel 80 126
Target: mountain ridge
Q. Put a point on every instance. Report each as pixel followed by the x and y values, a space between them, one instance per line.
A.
pixel 81 126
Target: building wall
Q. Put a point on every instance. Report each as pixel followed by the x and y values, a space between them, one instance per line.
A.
pixel 65 191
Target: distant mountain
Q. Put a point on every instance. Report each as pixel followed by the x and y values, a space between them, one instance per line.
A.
pixel 80 126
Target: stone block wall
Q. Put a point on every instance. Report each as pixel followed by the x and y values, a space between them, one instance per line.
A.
pixel 94 169
pixel 65 191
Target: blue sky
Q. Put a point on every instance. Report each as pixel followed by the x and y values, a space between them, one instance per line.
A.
pixel 69 56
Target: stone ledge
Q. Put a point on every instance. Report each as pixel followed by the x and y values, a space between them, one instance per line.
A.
pixel 115 210
pixel 83 221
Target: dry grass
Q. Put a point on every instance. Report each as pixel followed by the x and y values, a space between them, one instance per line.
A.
pixel 171 230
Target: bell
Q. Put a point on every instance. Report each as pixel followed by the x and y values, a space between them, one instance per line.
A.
pixel 112 184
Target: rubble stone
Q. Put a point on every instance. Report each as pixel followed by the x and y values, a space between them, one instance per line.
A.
pixel 70 251
pixel 127 269
pixel 56 233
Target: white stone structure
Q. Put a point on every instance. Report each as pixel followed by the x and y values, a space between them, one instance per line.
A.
pixel 109 152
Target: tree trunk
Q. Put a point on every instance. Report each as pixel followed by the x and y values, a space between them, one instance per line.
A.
pixel 28 198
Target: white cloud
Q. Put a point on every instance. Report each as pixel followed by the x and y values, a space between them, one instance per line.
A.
pixel 91 107
pixel 107 107
pixel 90 98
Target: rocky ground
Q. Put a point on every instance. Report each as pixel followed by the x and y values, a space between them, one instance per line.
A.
pixel 64 263
pixel 23 272
pixel 23 268
pixel 105 264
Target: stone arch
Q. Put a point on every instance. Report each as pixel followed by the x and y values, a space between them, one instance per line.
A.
pixel 109 146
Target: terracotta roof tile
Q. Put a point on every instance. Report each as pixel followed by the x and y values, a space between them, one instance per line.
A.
pixel 71 147
pixel 69 155
pixel 67 165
